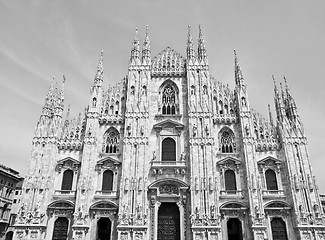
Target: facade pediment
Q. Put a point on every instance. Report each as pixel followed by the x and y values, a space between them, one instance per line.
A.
pixel 168 123
pixel 61 204
pixel 104 205
pixel 229 159
pixel 168 181
pixel 113 159
pixel 69 160
pixel 269 159
pixel 68 163
pixel 233 206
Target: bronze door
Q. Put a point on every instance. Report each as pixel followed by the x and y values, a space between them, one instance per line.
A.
pixel 279 231
pixel 60 231
pixel 168 222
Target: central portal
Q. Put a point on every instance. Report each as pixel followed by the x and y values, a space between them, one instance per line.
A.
pixel 168 222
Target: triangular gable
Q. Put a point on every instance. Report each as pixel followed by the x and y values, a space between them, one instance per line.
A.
pixel 168 62
pixel 113 159
pixel 269 158
pixel 73 160
pixel 167 123
pixel 229 158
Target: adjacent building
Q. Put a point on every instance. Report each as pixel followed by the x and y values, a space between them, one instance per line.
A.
pixel 8 180
pixel 170 153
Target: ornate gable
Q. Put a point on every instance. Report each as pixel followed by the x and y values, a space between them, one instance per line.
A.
pixel 168 63
pixel 108 162
pixel 68 163
pixel 167 124
pixel 269 162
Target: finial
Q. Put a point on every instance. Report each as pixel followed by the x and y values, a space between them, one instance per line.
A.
pixel 63 79
pixel 274 82
pixel 147 30
pixel 286 84
pixel 136 33
pixel 236 59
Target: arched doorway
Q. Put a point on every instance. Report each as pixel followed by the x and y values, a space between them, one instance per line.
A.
pixel 60 231
pixel 104 226
pixel 234 229
pixel 168 222
pixel 279 231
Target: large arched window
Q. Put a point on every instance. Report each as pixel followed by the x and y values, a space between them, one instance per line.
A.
pixel 168 149
pixel 60 231
pixel 279 230
pixel 169 100
pixel 107 185
pixel 230 180
pixel 67 180
pixel 270 177
pixel 227 144
pixel 111 141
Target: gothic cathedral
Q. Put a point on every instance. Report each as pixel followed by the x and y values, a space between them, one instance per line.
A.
pixel 169 153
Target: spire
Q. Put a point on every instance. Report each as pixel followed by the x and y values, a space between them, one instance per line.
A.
pixel 239 80
pixel 270 115
pixel 278 100
pixel 47 109
pixel 291 104
pixel 135 52
pixel 61 95
pixel 190 46
pixel 67 117
pixel 100 71
pixel 146 48
pixel 201 46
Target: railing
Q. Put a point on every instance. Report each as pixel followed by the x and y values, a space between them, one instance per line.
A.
pixel 168 163
pixel 64 193
pixel 273 193
pixel 231 193
pixel 105 194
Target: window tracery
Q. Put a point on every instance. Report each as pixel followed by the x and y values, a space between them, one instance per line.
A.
pixel 111 142
pixel 169 100
pixel 227 143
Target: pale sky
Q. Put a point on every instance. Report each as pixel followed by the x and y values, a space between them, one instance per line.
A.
pixel 40 39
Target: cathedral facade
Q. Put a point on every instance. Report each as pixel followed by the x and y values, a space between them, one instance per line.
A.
pixel 169 153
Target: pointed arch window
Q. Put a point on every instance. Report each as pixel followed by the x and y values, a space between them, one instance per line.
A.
pixel 271 182
pixel 230 180
pixel 60 231
pixel 169 100
pixel 168 150
pixel 107 184
pixel 111 142
pixel 67 180
pixel 227 144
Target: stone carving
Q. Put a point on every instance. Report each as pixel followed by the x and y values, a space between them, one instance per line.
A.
pixel 168 189
pixel 183 157
pixel 194 130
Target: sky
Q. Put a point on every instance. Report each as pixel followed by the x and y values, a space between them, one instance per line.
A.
pixel 41 39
